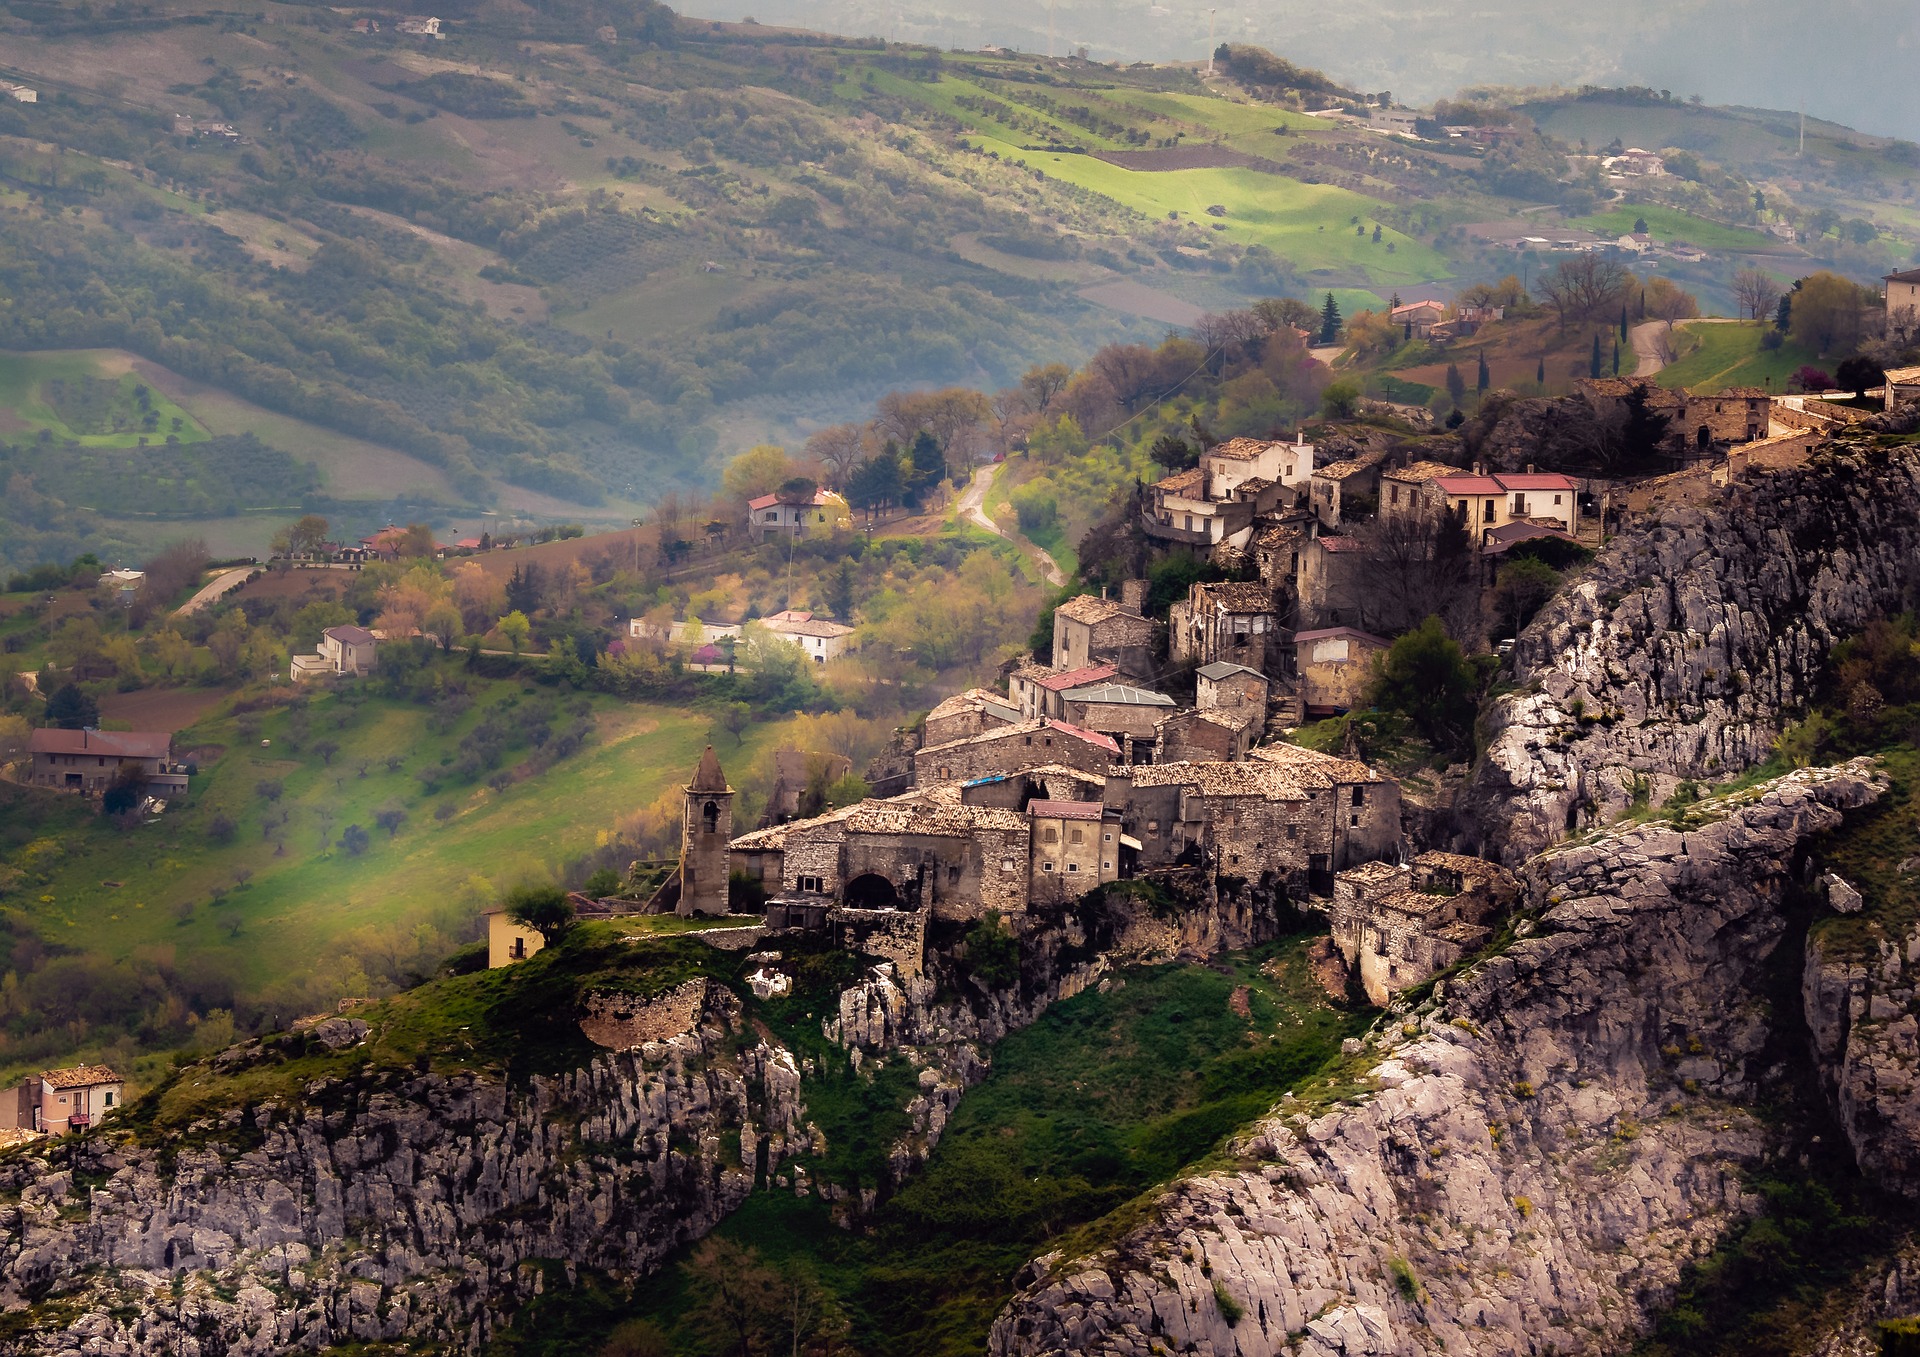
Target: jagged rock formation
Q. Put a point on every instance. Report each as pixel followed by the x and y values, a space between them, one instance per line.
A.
pixel 1689 644
pixel 414 1208
pixel 1523 1167
pixel 405 1209
pixel 1866 1040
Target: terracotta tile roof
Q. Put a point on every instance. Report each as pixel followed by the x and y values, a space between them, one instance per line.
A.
pixel 1240 450
pixel 80 1076
pixel 1419 473
pixel 111 744
pixel 1065 810
pixel 1089 609
pixel 1469 486
pixel 1075 678
pixel 813 626
pixel 1188 484
pixel 1236 597
pixel 1352 466
pixel 1026 728
pixel 1308 761
pixel 975 699
pixel 1461 863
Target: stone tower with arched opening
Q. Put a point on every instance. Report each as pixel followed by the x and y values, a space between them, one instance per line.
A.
pixel 705 833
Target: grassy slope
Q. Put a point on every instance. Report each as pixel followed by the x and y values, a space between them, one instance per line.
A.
pixel 26 408
pixel 1669 225
pixel 1714 357
pixel 279 926
pixel 1103 1098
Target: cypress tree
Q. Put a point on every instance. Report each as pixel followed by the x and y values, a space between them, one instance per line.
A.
pixel 1485 379
pixel 1623 322
pixel 1540 372
pixel 1616 358
pixel 1330 322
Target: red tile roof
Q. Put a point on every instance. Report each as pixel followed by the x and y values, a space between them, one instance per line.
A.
pixel 1064 810
pixel 1077 678
pixel 112 744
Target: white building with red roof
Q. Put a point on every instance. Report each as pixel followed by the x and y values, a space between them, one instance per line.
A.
pixel 795 515
pixel 1494 499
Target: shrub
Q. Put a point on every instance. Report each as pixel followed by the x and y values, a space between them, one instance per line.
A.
pixel 1404 1280
pixel 1231 1310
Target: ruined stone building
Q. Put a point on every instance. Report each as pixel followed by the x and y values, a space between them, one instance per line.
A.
pixel 1334 668
pixel 1398 925
pixel 974 712
pixel 1075 847
pixel 1699 427
pixel 1349 487
pixel 1226 686
pixel 1235 482
pixel 1089 630
pixel 1235 622
pixel 1404 493
pixel 1198 736
pixel 1335 583
pixel 1012 748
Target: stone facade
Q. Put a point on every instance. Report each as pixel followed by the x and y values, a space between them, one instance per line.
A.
pixel 706 828
pixel 1234 623
pixel 1013 748
pixel 626 1022
pixel 1226 686
pixel 1124 714
pixel 974 712
pixel 1089 630
pixel 1075 846
pixel 1222 734
pixel 1398 925
pixel 1335 667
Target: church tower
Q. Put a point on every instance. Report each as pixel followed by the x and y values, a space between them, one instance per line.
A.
pixel 704 836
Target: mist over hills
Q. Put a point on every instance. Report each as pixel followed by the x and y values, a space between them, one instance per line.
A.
pixel 1757 52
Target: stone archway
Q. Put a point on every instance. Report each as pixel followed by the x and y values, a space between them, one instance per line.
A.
pixel 870 890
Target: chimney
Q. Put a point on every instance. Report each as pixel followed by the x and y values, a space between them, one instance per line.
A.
pixel 1529 468
pixel 1103 593
pixel 1479 468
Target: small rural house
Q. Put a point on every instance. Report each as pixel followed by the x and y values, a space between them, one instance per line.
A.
pixel 819 638
pixel 69 1100
pixel 90 761
pixel 797 515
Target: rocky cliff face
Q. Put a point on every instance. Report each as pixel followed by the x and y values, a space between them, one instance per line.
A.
pixel 1687 645
pixel 1864 1014
pixel 1523 1165
pixel 403 1210
pixel 421 1208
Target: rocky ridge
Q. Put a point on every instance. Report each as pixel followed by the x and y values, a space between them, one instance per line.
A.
pixel 1690 642
pixel 423 1208
pixel 1524 1164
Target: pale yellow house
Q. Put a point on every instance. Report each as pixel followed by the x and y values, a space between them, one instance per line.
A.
pixel 508 942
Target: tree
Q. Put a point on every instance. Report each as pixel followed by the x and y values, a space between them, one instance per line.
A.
pixel 1755 292
pixel 1043 382
pixel 1667 302
pixel 1521 589
pixel 1639 226
pixel 636 1338
pixel 1644 430
pixel 304 535
pixel 736 717
pixel 1829 313
pixel 355 840
pixel 524 588
pixel 734 1292
pixel 876 484
pixel 1425 676
pixel 515 627
pixel 1286 313
pixel 326 749
pixel 442 624
pixel 1593 360
pixel 1540 371
pixel 1341 399
pixel 1583 285
pixel 926 466
pixel 838 448
pixel 390 817
pixel 1484 378
pixel 1623 322
pixel 1857 374
pixel 70 708
pixel 479 596
pixel 1456 385
pixel 757 471
pixel 1330 322
pixel 418 541
pixel 544 909
pixel 1174 452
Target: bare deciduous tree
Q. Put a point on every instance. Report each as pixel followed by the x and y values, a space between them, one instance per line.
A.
pixel 1584 286
pixel 1756 293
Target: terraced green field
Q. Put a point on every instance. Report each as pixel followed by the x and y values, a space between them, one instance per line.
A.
pixel 90 397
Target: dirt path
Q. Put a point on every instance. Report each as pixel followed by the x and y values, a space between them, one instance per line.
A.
pixel 972 506
pixel 217 588
pixel 1648 346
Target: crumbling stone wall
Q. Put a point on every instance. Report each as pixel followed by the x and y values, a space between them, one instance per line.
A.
pixel 625 1022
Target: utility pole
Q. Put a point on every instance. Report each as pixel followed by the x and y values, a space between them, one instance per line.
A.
pixel 1211 46
pixel 1050 4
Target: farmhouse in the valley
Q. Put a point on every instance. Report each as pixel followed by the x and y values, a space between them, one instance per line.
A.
pixel 795 512
pixel 91 761
pixel 344 652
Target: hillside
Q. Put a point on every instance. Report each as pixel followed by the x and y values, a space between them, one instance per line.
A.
pixel 559 262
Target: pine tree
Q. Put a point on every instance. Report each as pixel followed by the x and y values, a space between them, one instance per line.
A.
pixel 1616 358
pixel 1540 372
pixel 1330 322
pixel 1593 363
pixel 1485 377
pixel 1456 384
pixel 1623 322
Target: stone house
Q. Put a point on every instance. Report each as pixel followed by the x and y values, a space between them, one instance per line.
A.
pixel 1176 509
pixel 1418 318
pixel 1222 734
pixel 1740 414
pixel 1036 689
pixel 1903 292
pixel 123 586
pixel 964 715
pixel 818 638
pixel 1335 488
pixel 925 850
pixel 706 829
pixel 1334 582
pixel 90 761
pixel 1125 714
pixel 1286 810
pixel 1234 483
pixel 76 1098
pixel 1226 686
pixel 1075 847
pixel 1902 386
pixel 1089 630
pixel 1235 622
pixel 1404 491
pixel 1230 465
pixel 1275 546
pixel 1396 926
pixel 795 515
pixel 1335 667
pixel 1012 748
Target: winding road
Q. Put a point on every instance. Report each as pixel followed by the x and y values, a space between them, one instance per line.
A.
pixel 218 587
pixel 972 505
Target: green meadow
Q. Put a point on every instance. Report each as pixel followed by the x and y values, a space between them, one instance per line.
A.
pixel 1714 357
pixel 86 397
pixel 1669 225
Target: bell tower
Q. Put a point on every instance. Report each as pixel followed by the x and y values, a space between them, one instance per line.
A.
pixel 705 834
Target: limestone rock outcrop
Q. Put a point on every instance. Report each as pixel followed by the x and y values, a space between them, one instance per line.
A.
pixel 1864 1015
pixel 1524 1165
pixel 1691 641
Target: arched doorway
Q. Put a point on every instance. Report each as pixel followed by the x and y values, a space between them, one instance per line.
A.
pixel 870 890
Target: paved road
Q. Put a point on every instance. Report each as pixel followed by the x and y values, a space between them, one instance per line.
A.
pixel 1648 337
pixel 217 588
pixel 972 505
